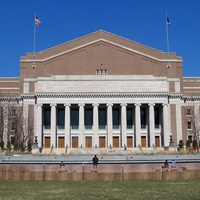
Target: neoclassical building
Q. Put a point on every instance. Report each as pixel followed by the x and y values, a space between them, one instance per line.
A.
pixel 105 91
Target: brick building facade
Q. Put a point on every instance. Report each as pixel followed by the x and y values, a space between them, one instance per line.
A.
pixel 103 91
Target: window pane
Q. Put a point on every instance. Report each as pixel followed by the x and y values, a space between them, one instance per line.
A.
pixel 47 117
pixel 74 117
pixel 143 116
pixel 88 117
pixel 61 118
pixel 129 117
pixel 102 118
pixel 116 117
pixel 157 116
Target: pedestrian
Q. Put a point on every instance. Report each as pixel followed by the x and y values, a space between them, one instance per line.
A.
pixel 95 162
pixel 166 164
pixel 173 165
pixel 62 166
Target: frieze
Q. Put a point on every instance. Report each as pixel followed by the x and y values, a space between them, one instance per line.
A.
pixel 106 95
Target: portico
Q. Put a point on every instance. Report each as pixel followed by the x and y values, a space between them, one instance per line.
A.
pixel 102 125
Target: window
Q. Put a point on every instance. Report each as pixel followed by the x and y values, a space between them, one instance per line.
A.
pixel 47 118
pixel 116 118
pixel 88 118
pixel 12 139
pixel 129 114
pixel 101 72
pixel 143 118
pixel 102 118
pixel 190 138
pixel 75 118
pixel 188 111
pixel 157 117
pixel 13 112
pixel 14 125
pixel 189 125
pixel 61 118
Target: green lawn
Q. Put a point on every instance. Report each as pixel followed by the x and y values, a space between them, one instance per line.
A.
pixel 75 190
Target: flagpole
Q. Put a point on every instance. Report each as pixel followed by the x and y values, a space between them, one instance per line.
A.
pixel 34 39
pixel 167 34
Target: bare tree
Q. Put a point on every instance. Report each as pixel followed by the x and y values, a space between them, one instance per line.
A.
pixel 16 130
pixel 196 125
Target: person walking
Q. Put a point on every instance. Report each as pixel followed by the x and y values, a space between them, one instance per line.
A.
pixel 62 166
pixel 95 162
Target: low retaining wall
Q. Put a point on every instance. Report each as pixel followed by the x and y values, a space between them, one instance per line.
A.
pixel 77 172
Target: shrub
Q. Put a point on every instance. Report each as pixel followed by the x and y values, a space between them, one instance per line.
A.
pixel 8 146
pixel 29 146
pixel 181 144
pixel 16 146
pixel 188 143
pixel 21 147
pixel 194 144
pixel 2 145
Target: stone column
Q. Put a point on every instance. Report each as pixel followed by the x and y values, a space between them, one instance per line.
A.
pixel 179 122
pixel 151 125
pixel 109 125
pixel 6 125
pixel 39 125
pixel 137 125
pixel 53 126
pixel 95 125
pixel 81 125
pixel 123 125
pixel 67 125
pixel 166 125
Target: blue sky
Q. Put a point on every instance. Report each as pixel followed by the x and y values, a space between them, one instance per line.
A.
pixel 142 21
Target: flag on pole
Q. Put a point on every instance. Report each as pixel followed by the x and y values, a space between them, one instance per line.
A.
pixel 167 21
pixel 37 21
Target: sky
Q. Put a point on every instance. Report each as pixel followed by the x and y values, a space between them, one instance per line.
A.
pixel 143 21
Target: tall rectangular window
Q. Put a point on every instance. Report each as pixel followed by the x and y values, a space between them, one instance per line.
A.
pixel 88 118
pixel 47 118
pixel 189 125
pixel 157 117
pixel 129 114
pixel 74 118
pixel 188 111
pixel 143 117
pixel 61 118
pixel 116 118
pixel 102 118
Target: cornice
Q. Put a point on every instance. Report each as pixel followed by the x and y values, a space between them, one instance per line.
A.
pixel 104 95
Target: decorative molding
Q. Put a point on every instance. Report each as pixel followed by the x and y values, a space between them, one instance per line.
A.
pixel 95 104
pixel 137 104
pixel 67 104
pixel 102 95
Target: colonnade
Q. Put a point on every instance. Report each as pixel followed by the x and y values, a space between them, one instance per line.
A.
pixel 123 133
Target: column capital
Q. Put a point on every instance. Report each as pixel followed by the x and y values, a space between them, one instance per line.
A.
pixel 137 104
pixel 95 104
pixel 81 104
pixel 165 104
pixel 123 104
pixel 53 104
pixel 151 104
pixel 39 104
pixel 67 104
pixel 109 104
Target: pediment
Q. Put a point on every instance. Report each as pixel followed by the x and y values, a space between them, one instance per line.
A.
pixel 100 52
pixel 100 38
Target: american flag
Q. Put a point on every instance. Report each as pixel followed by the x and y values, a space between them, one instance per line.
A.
pixel 37 21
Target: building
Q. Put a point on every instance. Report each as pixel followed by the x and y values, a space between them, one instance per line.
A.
pixel 105 91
